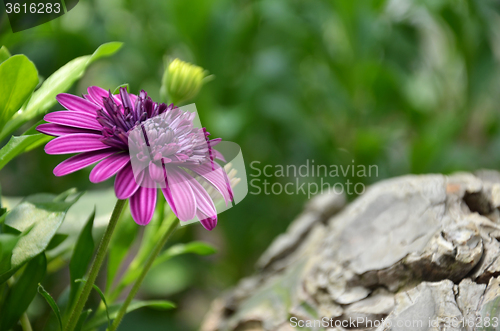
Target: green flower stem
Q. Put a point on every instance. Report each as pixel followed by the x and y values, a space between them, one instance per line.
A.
pixel 96 266
pixel 170 225
pixel 152 234
pixel 25 323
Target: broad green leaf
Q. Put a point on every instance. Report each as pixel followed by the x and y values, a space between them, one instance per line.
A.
pixel 100 317
pixel 7 244
pixel 44 214
pixel 4 54
pixel 60 81
pixel 22 292
pixel 125 235
pixel 21 144
pixel 81 258
pixel 101 294
pixel 52 303
pixel 19 78
pixel 81 321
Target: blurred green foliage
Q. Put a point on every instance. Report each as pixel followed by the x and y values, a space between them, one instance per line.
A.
pixel 410 86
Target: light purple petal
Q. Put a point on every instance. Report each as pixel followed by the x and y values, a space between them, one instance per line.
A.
pixel 75 103
pixel 203 200
pixel 168 196
pixel 75 143
pixel 156 172
pixel 125 183
pixel 206 209
pixel 75 119
pixel 109 167
pixel 142 205
pixel 179 194
pixel 80 161
pixel 218 155
pixel 217 177
pixel 214 142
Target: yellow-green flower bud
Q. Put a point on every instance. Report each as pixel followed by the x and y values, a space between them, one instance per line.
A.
pixel 182 81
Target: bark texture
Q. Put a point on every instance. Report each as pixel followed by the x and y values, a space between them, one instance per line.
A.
pixel 414 248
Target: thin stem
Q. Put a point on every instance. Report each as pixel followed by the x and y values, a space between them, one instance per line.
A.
pixel 171 225
pixel 25 322
pixel 152 234
pixel 96 266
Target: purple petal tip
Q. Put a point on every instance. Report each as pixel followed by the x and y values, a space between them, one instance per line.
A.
pixel 209 223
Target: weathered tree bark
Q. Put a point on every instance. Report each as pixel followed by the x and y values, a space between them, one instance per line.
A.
pixel 412 253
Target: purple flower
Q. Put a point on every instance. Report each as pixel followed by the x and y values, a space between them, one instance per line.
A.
pixel 147 145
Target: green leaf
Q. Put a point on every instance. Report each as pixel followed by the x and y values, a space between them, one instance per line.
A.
pixel 52 303
pixel 101 294
pixel 117 90
pixel 21 144
pixel 7 244
pixel 82 319
pixel 60 81
pixel 4 54
pixel 81 258
pixel 22 292
pixel 100 316
pixel 58 239
pixel 195 247
pixel 106 50
pixel 19 79
pixel 125 235
pixel 44 214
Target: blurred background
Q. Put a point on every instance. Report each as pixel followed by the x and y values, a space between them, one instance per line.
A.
pixel 411 86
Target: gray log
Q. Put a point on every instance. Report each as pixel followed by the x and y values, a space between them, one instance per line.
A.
pixel 412 253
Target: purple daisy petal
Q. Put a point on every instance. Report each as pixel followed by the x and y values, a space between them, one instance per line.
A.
pixel 75 143
pixel 208 223
pixel 218 155
pixel 125 183
pixel 203 200
pixel 80 161
pixel 61 130
pixel 214 142
pixel 206 213
pixel 142 205
pixel 100 125
pixel 96 95
pixel 156 172
pixel 74 119
pixel 179 195
pixel 109 167
pixel 217 177
pixel 75 103
pixel 133 98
